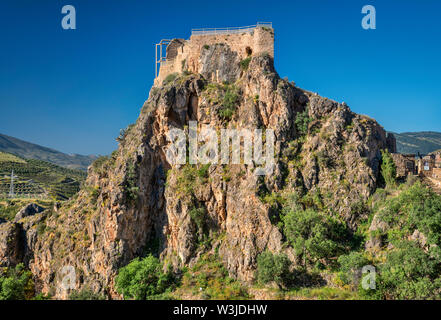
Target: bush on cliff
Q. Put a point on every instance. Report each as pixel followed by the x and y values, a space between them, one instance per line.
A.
pixel 143 279
pixel 86 294
pixel 16 283
pixel 388 169
pixel 302 121
pixel 408 273
pixel 314 236
pixel 411 269
pixel 273 267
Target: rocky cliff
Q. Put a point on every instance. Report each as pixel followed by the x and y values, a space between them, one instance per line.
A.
pixel 135 201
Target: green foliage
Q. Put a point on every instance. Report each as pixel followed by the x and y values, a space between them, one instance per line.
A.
pixel 350 267
pixel 210 275
pixel 388 169
pixel 321 293
pixel 273 267
pixel 170 78
pixel 198 217
pixel 412 269
pixel 130 185
pixel 143 279
pixel 41 227
pixel 190 177
pixel 245 63
pixel 36 177
pixel 416 208
pixel 225 95
pixel 16 283
pixel 408 273
pixel 302 121
pixel 10 207
pixel 314 236
pixel 8 157
pixel 86 294
pixel 229 102
pixel 203 171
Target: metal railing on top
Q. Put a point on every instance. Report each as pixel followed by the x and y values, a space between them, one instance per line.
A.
pixel 231 30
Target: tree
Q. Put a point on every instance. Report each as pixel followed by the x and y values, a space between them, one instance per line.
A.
pixel 351 266
pixel 388 169
pixel 16 283
pixel 313 235
pixel 142 279
pixel 302 121
pixel 408 273
pixel 412 269
pixel 273 267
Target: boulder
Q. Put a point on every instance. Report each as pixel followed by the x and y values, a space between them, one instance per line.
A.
pixel 27 211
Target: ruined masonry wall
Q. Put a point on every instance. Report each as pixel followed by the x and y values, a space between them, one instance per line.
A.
pixel 261 40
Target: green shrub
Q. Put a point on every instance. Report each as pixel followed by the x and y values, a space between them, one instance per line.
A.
pixel 273 267
pixel 388 169
pixel 198 217
pixel 86 294
pixel 16 283
pixel 245 63
pixel 416 208
pixel 211 276
pixel 170 78
pixel 351 266
pixel 203 171
pixel 229 102
pixel 142 279
pixel 302 121
pixel 189 178
pixel 412 269
pixel 130 184
pixel 408 273
pixel 314 236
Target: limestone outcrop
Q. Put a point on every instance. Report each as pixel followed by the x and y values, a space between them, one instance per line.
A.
pixel 136 201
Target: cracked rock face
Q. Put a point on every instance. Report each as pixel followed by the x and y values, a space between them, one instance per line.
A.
pixel 220 62
pixel 136 197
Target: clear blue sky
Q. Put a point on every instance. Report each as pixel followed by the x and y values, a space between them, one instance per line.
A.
pixel 73 90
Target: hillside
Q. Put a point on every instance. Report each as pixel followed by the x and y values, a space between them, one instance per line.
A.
pixel 29 150
pixel 136 201
pixel 302 223
pixel 414 142
pixel 39 178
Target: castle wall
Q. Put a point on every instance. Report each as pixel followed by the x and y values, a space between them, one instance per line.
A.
pixel 437 173
pixel 405 164
pixel 185 55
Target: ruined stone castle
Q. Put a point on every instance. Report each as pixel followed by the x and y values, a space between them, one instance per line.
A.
pixel 225 46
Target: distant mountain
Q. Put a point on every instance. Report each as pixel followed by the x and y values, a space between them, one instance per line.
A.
pixel 413 142
pixel 33 151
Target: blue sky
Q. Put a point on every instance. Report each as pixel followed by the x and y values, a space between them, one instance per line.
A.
pixel 73 90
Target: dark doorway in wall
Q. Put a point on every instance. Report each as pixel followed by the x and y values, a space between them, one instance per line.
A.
pixel 249 51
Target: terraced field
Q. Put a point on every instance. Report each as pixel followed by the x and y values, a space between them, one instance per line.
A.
pixel 37 179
